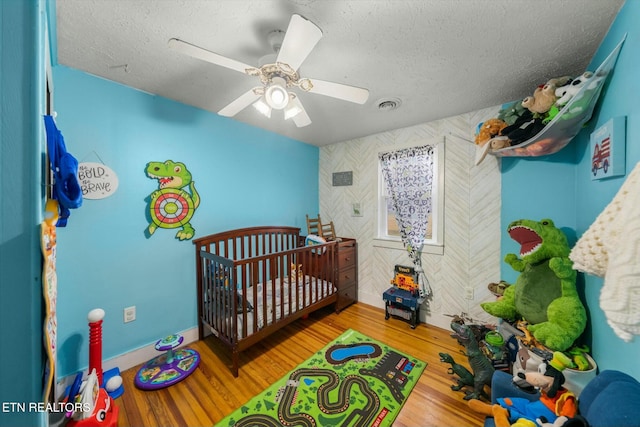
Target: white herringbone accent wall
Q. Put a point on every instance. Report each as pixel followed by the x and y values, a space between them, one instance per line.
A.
pixel 472 227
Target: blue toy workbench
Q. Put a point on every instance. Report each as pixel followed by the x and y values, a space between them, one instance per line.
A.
pixel 402 303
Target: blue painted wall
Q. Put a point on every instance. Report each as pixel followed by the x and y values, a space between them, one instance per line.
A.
pixel 537 188
pixel 560 186
pixel 21 147
pixel 620 99
pixel 245 177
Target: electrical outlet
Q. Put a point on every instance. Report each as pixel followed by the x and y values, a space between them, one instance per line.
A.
pixel 129 314
pixel 468 293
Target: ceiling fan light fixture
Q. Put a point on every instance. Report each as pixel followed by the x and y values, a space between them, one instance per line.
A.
pixel 276 94
pixel 292 110
pixel 262 107
pixel 277 97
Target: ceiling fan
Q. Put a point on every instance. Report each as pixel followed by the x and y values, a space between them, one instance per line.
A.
pixel 278 76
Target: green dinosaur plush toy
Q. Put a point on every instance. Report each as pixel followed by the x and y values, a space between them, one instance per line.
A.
pixel 544 294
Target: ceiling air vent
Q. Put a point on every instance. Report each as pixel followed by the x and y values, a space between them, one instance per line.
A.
pixel 389 104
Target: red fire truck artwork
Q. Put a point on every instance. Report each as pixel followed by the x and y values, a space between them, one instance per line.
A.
pixel 601 156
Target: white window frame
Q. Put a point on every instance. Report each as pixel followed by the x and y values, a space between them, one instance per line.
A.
pixel 435 245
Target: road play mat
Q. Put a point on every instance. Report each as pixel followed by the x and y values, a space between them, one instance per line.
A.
pixel 354 381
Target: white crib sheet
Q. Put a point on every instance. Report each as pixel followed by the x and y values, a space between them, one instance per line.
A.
pixel 311 284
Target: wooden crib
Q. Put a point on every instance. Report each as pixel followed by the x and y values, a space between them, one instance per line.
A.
pixel 253 281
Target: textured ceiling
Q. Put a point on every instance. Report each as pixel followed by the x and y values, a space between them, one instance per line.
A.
pixel 440 58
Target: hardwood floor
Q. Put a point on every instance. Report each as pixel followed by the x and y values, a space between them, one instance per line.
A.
pixel 211 392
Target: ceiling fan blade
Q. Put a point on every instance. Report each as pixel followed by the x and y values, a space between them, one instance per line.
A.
pixel 299 40
pixel 246 99
pixel 205 55
pixel 340 91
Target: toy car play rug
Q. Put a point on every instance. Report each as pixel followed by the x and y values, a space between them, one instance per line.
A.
pixel 354 381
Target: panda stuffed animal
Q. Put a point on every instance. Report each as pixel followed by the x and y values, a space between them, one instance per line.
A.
pixel 566 92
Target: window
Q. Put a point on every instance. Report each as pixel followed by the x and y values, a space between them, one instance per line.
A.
pixel 389 234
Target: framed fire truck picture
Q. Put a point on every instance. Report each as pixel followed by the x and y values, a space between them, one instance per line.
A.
pixel 608 145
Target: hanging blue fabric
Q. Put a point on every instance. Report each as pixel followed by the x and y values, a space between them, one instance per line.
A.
pixel 66 187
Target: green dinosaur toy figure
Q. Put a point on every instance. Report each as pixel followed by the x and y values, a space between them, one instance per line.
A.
pixel 544 293
pixel 171 206
pixel 480 364
pixel 465 378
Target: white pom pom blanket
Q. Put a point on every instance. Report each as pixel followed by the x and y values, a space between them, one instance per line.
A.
pixel 610 248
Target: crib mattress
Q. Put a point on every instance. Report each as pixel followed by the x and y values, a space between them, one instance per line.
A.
pixel 278 302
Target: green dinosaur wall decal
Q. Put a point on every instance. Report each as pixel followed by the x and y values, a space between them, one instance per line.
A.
pixel 171 205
